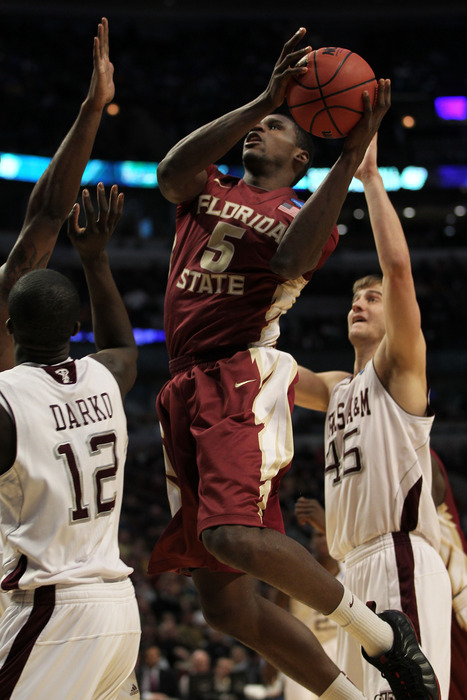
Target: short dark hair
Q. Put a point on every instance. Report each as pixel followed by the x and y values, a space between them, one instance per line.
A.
pixel 44 307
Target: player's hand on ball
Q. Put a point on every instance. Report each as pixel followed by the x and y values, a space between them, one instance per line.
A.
pixel 360 136
pixel 285 68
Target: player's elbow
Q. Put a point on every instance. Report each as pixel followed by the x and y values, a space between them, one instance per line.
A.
pixel 167 180
pixel 398 267
pixel 286 265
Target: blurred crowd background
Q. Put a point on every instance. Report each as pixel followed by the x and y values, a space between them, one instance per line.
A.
pixel 177 66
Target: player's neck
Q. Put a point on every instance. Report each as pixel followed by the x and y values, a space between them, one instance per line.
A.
pixel 267 182
pixel 41 356
pixel 363 355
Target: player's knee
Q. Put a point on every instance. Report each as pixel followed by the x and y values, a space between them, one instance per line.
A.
pixel 221 542
pixel 224 615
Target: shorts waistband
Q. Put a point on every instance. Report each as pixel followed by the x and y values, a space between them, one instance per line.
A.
pixel 378 544
pixel 186 362
pixel 68 592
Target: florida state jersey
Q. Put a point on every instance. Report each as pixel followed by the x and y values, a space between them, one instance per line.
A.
pixel 378 467
pixel 60 501
pixel 221 290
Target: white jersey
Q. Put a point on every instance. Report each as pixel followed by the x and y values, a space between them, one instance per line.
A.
pixel 60 501
pixel 378 467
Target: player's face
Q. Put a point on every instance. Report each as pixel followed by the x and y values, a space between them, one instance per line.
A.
pixel 273 139
pixel 366 317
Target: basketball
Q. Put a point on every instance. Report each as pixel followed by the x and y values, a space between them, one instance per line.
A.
pixel 327 99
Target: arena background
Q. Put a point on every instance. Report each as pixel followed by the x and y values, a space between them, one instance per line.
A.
pixel 178 65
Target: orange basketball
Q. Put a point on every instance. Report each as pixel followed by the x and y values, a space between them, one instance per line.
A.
pixel 327 99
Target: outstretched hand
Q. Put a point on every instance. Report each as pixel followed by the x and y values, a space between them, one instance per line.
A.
pixel 285 68
pixel 90 241
pixel 102 88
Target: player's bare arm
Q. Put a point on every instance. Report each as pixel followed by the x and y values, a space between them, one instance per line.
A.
pixel 400 360
pixel 113 334
pixel 301 246
pixel 55 192
pixel 313 389
pixel 181 174
pixel 7 440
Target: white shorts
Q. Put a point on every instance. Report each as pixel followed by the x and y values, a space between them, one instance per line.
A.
pixel 399 573
pixel 75 642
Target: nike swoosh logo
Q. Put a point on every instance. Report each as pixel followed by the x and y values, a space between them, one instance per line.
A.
pixel 247 381
pixel 351 602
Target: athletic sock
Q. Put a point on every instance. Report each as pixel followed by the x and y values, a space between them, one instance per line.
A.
pixel 342 689
pixel 374 634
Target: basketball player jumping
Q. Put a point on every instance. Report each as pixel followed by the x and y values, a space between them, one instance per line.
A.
pixel 380 516
pixel 225 414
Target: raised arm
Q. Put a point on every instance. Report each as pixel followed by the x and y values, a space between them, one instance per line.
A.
pixel 302 244
pixel 400 360
pixel 55 192
pixel 181 175
pixel 313 389
pixel 113 333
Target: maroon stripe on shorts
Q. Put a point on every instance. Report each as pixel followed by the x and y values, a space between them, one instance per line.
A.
pixel 405 570
pixel 42 609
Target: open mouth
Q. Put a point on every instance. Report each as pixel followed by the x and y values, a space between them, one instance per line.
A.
pixel 252 137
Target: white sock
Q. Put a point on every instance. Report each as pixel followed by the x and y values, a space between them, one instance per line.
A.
pixel 342 689
pixel 374 634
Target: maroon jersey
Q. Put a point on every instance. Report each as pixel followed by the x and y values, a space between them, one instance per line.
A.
pixel 221 290
pixel 454 554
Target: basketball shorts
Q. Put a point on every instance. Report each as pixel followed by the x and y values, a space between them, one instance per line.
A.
pixel 399 572
pixel 227 440
pixel 76 642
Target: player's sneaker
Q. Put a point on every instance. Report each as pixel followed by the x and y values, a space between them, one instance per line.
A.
pixel 405 667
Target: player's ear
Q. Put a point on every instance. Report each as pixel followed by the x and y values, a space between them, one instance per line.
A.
pixel 76 328
pixel 9 326
pixel 302 157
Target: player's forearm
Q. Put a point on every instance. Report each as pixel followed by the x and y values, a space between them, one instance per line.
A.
pixel 56 191
pixel 301 247
pixel 194 153
pixel 111 323
pixel 390 241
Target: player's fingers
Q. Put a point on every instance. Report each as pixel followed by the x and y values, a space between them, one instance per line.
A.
pixel 384 92
pixel 88 208
pixel 292 42
pixel 96 51
pixel 367 106
pixel 100 36
pixel 120 203
pixel 105 36
pixel 73 228
pixel 292 59
pixel 102 204
pixel 113 206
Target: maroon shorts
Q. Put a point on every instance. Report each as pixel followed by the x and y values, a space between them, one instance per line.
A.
pixel 227 439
